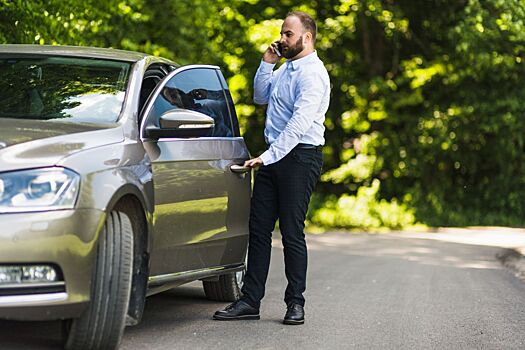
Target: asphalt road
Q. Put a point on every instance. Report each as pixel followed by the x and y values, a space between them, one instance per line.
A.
pixel 364 292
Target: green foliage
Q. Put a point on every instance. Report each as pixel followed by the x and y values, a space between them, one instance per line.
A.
pixel 437 88
pixel 458 157
pixel 426 118
pixel 363 210
pixel 88 22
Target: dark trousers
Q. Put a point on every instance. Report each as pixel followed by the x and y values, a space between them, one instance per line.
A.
pixel 281 191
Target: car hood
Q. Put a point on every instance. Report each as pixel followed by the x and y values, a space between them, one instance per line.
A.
pixel 33 143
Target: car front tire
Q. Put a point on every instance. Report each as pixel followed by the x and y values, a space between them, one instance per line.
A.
pixel 101 326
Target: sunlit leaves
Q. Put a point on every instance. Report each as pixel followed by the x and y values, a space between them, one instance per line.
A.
pixel 364 210
pixel 427 102
pixel 453 96
pixel 264 33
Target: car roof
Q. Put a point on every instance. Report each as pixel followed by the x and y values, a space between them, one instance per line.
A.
pixel 76 51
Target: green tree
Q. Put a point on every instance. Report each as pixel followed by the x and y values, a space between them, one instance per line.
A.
pixel 431 108
pixel 426 116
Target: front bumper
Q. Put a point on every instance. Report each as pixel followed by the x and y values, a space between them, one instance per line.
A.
pixel 66 239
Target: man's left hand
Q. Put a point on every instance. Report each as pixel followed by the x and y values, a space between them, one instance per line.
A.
pixel 253 163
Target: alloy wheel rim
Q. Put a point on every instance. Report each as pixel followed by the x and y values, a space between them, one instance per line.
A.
pixel 239 278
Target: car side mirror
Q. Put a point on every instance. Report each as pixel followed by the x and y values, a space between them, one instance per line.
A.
pixel 181 123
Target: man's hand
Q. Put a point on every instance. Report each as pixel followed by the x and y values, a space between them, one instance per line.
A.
pixel 270 56
pixel 253 163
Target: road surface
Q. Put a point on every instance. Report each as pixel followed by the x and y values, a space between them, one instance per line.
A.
pixel 364 291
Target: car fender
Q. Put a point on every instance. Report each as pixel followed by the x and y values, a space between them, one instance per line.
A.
pixel 110 172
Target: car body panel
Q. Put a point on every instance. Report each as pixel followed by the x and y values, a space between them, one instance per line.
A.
pixel 111 167
pixel 39 151
pixel 195 201
pixel 72 51
pixel 66 238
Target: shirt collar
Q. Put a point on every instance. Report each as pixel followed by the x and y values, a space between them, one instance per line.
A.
pixel 295 64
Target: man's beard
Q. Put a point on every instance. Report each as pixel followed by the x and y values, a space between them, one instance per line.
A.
pixel 292 51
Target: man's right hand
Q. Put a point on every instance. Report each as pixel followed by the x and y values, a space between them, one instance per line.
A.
pixel 254 162
pixel 270 56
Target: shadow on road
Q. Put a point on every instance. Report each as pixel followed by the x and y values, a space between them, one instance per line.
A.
pixel 174 308
pixel 17 335
pixel 171 308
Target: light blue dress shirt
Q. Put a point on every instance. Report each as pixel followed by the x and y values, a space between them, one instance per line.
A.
pixel 297 94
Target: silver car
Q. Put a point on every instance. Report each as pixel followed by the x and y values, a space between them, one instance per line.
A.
pixel 120 177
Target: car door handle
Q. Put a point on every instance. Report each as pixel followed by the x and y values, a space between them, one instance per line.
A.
pixel 239 169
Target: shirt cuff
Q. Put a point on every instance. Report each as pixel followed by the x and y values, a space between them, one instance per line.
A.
pixel 266 67
pixel 266 157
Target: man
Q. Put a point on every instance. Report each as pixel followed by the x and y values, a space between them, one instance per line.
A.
pixel 297 95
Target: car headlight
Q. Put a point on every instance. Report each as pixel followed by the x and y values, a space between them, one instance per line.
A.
pixel 38 190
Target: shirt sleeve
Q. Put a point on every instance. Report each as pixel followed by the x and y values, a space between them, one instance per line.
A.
pixel 262 83
pixel 311 90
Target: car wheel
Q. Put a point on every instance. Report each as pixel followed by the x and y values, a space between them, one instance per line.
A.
pixel 227 288
pixel 102 323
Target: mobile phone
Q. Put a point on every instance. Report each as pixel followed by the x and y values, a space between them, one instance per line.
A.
pixel 278 49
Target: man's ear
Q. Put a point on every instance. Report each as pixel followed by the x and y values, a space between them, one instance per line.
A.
pixel 307 37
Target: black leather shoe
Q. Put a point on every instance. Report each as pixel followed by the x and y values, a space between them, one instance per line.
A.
pixel 294 314
pixel 238 310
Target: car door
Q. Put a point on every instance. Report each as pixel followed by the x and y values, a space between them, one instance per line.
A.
pixel 201 205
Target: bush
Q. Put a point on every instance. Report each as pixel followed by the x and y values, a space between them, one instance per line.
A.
pixel 363 210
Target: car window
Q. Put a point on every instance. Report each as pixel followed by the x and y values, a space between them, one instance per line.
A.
pixel 153 75
pixel 62 88
pixel 196 89
pixel 231 105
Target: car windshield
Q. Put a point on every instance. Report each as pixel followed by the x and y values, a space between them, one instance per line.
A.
pixel 80 90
